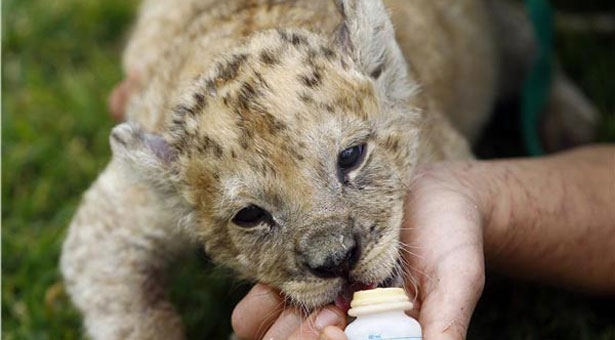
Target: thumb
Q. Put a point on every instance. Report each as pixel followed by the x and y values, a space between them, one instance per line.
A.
pixel 446 310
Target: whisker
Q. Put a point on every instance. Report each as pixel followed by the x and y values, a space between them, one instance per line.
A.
pixel 262 327
pixel 406 245
pixel 407 275
pixel 409 252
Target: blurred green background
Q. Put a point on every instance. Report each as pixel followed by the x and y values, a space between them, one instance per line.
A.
pixel 60 60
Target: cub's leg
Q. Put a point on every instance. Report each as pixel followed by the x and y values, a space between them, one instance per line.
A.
pixel 114 258
pixel 569 117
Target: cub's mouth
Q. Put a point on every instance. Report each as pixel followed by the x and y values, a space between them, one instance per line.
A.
pixel 379 265
pixel 394 278
pixel 343 299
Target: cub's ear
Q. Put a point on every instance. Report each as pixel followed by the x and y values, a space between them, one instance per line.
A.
pixel 147 154
pixel 367 35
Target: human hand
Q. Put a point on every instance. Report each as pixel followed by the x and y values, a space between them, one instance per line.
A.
pixel 262 314
pixel 442 249
pixel 118 99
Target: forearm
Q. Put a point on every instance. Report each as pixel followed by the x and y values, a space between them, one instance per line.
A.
pixel 551 218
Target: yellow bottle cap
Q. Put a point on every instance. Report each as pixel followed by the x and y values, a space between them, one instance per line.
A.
pixel 379 300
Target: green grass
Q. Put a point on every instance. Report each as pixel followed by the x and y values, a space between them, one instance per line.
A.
pixel 60 60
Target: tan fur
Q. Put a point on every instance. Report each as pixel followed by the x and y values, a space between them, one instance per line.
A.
pixel 251 102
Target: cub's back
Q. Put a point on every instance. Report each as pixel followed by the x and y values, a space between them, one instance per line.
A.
pixel 451 53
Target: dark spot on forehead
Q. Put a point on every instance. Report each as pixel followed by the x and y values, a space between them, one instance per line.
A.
pixel 246 96
pixel 268 58
pixel 311 80
pixel 294 38
pixel 327 52
pixel 229 70
pixel 178 122
pixel 199 100
pixel 247 89
pixel 218 151
pixel 292 151
pixel 211 87
pixel 261 81
pixel 245 133
pixel 328 107
pixel 310 57
pixel 182 110
pixel 243 141
pixel 275 125
pixel 392 143
pixel 283 35
pixel 297 39
pixel 226 99
pixel 306 98
pixel 208 143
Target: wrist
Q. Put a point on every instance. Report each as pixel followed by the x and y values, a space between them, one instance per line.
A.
pixel 477 182
pixel 480 181
pixel 485 182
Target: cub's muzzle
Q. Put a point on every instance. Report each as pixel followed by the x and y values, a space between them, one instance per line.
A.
pixel 330 252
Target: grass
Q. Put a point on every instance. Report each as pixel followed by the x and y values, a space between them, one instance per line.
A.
pixel 60 60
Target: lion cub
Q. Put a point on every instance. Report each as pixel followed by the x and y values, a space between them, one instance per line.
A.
pixel 278 135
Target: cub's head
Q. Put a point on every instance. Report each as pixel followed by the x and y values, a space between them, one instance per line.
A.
pixel 290 157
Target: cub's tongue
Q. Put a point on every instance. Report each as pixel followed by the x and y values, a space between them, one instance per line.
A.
pixel 342 301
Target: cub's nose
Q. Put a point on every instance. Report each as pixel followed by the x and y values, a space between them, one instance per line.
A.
pixel 335 260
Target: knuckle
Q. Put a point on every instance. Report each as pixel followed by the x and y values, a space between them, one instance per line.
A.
pixel 238 323
pixel 477 280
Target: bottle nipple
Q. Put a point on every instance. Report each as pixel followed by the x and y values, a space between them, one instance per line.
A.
pixel 377 300
pixel 380 315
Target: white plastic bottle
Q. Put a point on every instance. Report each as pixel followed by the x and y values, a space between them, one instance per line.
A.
pixel 380 316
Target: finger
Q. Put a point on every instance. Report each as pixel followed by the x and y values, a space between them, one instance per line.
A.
pixel 256 312
pixel 448 303
pixel 118 99
pixel 446 315
pixel 333 333
pixel 286 324
pixel 416 302
pixel 314 325
pixel 447 262
pixel 121 94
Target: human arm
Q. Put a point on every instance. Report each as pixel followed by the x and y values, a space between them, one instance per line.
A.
pixel 550 219
pixel 555 219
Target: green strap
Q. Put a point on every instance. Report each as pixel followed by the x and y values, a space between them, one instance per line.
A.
pixel 537 84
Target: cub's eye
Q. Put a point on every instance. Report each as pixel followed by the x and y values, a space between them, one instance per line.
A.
pixel 250 216
pixel 350 157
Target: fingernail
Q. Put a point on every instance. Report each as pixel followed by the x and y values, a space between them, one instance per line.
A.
pixel 325 318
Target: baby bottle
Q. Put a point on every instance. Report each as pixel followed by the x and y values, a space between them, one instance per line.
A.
pixel 380 316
